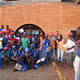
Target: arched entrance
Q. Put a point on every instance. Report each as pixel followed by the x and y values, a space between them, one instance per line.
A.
pixel 30 28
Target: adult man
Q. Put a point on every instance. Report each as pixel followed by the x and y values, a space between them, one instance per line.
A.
pixel 77 59
pixel 52 43
pixel 34 40
pixel 11 41
pixel 25 41
pixel 70 47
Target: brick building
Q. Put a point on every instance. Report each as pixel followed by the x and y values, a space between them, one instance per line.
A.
pixel 48 16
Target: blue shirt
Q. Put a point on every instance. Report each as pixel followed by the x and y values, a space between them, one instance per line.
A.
pixel 33 40
pixel 17 53
pixel 78 50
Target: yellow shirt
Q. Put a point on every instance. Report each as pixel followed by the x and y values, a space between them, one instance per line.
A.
pixel 60 44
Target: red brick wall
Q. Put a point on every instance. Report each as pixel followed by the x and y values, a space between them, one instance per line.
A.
pixel 49 16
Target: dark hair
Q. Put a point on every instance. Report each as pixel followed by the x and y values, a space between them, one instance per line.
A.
pixel 61 37
pixel 78 28
pixel 7 27
pixel 2 27
pixel 78 35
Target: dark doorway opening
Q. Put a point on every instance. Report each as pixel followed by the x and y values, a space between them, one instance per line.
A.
pixel 30 28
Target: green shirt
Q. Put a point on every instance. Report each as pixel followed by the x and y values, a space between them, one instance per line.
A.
pixel 25 42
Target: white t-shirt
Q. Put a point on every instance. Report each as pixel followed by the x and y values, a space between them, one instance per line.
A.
pixel 1 39
pixel 70 44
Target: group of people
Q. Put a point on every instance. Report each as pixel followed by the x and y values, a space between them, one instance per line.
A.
pixel 28 51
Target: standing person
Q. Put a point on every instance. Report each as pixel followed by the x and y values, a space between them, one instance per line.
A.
pixel 52 43
pixel 57 38
pixel 2 27
pixel 48 47
pixel 41 40
pixel 70 48
pixel 11 41
pixel 77 58
pixel 1 48
pixel 43 51
pixel 1 41
pixel 38 42
pixel 7 27
pixel 57 35
pixel 34 40
pixel 18 37
pixel 60 49
pixel 25 41
pixel 29 36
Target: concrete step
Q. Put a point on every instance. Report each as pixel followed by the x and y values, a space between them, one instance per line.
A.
pixel 3 3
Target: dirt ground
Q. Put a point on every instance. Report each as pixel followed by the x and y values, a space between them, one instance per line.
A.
pixel 45 72
pixel 67 72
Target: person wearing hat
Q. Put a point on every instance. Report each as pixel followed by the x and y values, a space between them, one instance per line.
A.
pixel 45 49
pixel 15 53
pixel 25 41
pixel 34 40
pixel 48 46
pixel 26 61
pixel 43 53
pixel 70 48
pixel 5 55
pixel 52 43
pixel 34 53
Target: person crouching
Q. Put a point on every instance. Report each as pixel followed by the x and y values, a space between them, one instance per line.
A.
pixel 15 53
pixel 26 61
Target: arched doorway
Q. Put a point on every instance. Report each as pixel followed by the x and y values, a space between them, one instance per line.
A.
pixel 30 28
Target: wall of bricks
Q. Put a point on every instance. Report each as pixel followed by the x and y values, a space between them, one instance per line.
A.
pixel 49 16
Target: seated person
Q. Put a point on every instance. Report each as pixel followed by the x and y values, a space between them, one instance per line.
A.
pixel 26 61
pixel 15 53
pixel 5 54
pixel 34 53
